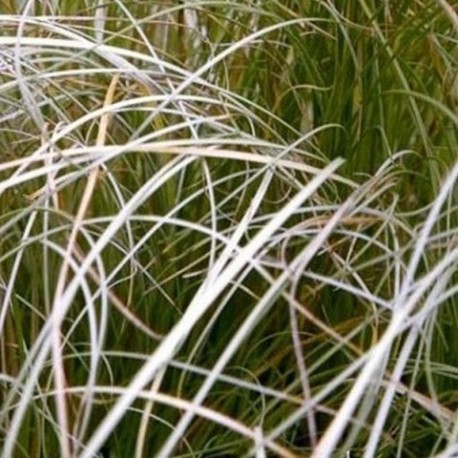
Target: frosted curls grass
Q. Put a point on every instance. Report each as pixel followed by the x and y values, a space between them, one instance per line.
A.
pixel 233 234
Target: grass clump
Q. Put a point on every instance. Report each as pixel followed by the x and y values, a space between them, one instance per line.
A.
pixel 228 229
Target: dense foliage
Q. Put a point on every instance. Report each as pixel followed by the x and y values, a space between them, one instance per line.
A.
pixel 228 228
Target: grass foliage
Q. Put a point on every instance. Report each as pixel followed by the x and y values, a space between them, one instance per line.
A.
pixel 228 228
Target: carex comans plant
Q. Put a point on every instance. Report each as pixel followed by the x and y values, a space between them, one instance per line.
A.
pixel 187 268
